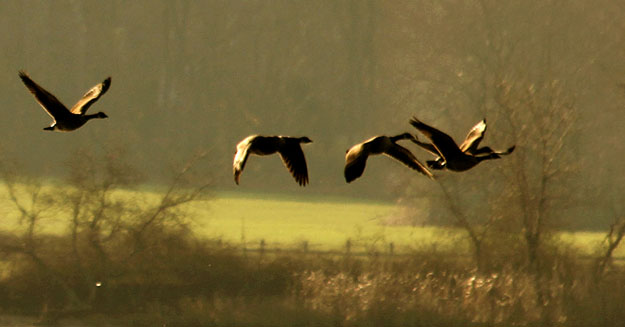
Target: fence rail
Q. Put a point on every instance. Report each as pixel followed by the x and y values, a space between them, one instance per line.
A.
pixel 355 250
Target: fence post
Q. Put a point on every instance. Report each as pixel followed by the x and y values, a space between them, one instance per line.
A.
pixel 305 246
pixel 262 247
pixel 348 246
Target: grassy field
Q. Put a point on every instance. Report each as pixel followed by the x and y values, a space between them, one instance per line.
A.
pixel 325 223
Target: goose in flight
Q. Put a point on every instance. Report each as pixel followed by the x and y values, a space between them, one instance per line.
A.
pixel 356 156
pixel 64 119
pixel 288 147
pixel 449 154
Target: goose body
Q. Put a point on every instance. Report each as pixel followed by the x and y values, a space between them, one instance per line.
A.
pixel 451 156
pixel 287 147
pixel 356 156
pixel 65 119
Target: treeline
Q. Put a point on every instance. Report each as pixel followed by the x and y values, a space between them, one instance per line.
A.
pixel 190 75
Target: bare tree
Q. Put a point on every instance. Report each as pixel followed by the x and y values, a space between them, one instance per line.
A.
pixel 109 220
pixel 613 240
pixel 610 199
pixel 475 229
pixel 33 204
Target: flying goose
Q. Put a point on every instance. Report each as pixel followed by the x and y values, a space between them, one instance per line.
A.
pixel 64 119
pixel 449 154
pixel 356 156
pixel 288 147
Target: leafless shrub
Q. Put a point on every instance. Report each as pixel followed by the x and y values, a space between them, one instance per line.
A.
pixel 112 225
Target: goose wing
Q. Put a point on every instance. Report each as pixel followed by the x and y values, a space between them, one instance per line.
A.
pixel 443 143
pixel 90 97
pixel 427 146
pixel 355 162
pixel 488 151
pixel 46 100
pixel 240 158
pixel 294 160
pixel 473 139
pixel 404 156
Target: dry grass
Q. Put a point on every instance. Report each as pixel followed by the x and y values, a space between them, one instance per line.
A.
pixel 189 282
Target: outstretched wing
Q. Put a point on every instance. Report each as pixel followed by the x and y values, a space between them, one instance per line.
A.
pixel 240 158
pixel 90 97
pixel 473 139
pixel 443 143
pixel 294 160
pixel 489 151
pixel 427 146
pixel 355 162
pixel 46 100
pixel 404 156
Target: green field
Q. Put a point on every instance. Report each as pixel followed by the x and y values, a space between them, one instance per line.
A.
pixel 324 223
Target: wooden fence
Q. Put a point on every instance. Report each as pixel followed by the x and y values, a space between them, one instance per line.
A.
pixel 351 249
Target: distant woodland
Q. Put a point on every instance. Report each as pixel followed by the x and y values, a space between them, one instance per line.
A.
pixel 193 76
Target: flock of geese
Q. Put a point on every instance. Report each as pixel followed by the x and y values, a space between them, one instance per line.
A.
pixel 448 155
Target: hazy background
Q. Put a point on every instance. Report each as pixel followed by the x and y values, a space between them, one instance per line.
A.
pixel 201 75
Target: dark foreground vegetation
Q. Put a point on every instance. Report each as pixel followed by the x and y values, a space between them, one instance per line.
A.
pixel 182 281
pixel 125 260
